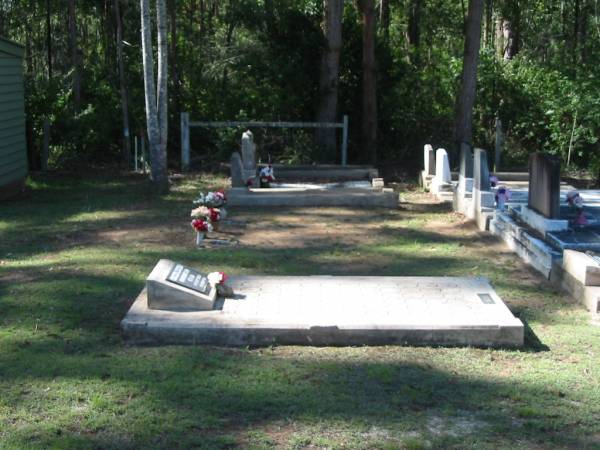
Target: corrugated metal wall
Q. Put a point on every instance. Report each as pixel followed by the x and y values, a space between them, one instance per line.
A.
pixel 13 152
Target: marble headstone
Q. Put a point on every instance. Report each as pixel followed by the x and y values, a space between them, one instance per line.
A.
pixel 442 167
pixel 248 151
pixel 544 184
pixel 481 171
pixel 237 171
pixel 429 160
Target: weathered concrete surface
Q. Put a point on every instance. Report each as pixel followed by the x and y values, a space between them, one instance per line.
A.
pixel 331 172
pixel 540 223
pixel 589 296
pixel 312 197
pixel 582 267
pixel 324 310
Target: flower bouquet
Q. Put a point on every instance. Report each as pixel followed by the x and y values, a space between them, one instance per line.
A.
pixel 216 199
pixel 218 280
pixel 266 176
pixel 201 227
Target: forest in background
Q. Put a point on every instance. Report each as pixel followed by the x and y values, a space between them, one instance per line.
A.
pixel 538 72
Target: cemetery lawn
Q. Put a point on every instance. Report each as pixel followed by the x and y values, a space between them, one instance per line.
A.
pixel 75 252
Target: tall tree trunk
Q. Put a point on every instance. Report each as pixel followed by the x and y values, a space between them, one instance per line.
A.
pixel 155 109
pixel 463 129
pixel 76 80
pixel 173 57
pixel 162 97
pixel 329 76
pixel 488 29
pixel 126 148
pixel 576 13
pixel 369 82
pixel 384 18
pixel 414 18
pixel 48 39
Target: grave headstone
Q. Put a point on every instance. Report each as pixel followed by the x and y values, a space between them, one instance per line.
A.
pixel 429 160
pixel 544 184
pixel 237 171
pixel 481 171
pixel 442 167
pixel 175 287
pixel 466 161
pixel 248 151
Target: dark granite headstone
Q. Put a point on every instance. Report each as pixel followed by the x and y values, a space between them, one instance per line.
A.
pixel 481 171
pixel 237 171
pixel 544 184
pixel 466 161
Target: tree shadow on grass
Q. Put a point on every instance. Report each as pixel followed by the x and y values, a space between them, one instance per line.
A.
pixel 183 396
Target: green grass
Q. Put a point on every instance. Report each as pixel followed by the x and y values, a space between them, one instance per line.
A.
pixel 75 253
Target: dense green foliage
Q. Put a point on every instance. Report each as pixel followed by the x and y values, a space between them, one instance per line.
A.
pixel 259 60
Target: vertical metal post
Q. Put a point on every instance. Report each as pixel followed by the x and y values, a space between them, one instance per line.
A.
pixel 143 139
pixel 498 146
pixel 345 142
pixel 46 145
pixel 136 154
pixel 185 142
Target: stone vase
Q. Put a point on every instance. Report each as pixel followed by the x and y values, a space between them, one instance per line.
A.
pixel 200 238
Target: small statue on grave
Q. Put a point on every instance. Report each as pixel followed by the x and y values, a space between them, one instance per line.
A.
pixel 266 176
pixel 218 280
pixel 575 201
pixel 502 196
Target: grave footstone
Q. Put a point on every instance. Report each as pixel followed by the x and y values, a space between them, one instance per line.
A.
pixel 175 287
pixel 544 184
pixel 237 170
pixel 483 198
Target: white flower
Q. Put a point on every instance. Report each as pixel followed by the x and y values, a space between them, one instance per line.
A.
pixel 215 278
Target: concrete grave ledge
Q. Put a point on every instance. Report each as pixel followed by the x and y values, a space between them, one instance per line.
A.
pixel 355 197
pixel 324 310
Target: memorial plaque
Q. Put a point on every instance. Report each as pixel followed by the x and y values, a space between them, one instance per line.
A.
pixel 544 184
pixel 173 286
pixel 486 299
pixel 189 278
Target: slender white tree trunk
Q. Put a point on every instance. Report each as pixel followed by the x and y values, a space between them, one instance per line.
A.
pixel 163 76
pixel 126 151
pixel 154 123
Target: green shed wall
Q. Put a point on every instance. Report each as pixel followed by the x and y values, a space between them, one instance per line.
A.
pixel 13 147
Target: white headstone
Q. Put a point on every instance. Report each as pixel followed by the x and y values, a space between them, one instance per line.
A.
pixel 248 151
pixel 442 167
pixel 429 160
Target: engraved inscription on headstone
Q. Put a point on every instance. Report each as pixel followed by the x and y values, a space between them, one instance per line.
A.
pixel 189 278
pixel 173 286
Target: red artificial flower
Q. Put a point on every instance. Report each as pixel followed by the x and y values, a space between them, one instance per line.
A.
pixel 249 182
pixel 213 215
pixel 224 277
pixel 221 193
pixel 200 225
pixel 267 179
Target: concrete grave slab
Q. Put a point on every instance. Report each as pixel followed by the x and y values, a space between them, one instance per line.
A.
pixel 301 196
pixel 325 310
pixel 582 267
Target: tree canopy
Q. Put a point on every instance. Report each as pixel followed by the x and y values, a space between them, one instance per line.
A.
pixel 244 59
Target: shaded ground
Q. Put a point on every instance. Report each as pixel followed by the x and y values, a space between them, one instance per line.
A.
pixel 75 253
